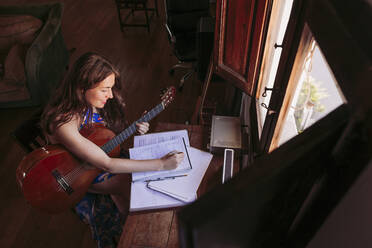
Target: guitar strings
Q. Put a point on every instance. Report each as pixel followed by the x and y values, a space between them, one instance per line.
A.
pixel 70 176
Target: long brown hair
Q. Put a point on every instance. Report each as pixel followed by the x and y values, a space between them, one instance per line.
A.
pixel 69 99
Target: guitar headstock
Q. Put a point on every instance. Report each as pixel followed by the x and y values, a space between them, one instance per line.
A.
pixel 167 95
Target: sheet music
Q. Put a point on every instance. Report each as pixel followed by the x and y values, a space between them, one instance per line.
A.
pixel 156 151
pixel 154 138
pixel 184 188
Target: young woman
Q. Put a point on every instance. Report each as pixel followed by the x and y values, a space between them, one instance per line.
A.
pixel 91 93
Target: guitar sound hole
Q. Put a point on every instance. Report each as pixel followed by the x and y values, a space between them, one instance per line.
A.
pixel 62 182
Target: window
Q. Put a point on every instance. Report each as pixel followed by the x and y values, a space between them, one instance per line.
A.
pixel 312 92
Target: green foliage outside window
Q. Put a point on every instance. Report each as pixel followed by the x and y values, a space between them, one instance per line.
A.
pixel 308 102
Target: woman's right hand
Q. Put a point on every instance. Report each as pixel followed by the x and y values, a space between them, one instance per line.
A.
pixel 172 160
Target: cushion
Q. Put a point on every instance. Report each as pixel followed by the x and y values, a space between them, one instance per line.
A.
pixel 21 29
pixel 13 84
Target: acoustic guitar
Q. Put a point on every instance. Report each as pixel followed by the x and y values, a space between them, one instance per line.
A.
pixel 54 180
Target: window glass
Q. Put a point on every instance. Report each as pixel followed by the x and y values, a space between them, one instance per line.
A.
pixel 312 92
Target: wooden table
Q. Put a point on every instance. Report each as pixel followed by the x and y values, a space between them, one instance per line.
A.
pixel 159 228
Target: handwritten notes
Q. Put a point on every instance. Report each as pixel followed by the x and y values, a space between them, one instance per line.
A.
pixel 159 150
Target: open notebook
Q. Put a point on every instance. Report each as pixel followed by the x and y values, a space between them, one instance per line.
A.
pixel 156 151
pixel 174 192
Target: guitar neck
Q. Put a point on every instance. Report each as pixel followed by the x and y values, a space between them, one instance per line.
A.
pixel 121 137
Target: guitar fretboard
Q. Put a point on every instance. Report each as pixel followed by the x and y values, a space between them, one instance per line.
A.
pixel 121 137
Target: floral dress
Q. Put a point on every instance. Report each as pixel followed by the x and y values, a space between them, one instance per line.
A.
pixel 99 211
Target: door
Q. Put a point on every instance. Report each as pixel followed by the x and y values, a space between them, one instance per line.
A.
pixel 239 36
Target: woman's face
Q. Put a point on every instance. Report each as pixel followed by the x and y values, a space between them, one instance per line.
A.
pixel 102 91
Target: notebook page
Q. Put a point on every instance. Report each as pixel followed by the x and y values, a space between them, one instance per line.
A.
pixel 154 138
pixel 156 151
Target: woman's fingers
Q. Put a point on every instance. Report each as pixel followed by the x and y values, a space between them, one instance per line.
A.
pixel 178 156
pixel 142 127
pixel 172 160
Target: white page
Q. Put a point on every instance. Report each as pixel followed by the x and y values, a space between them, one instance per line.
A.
pixel 157 151
pixel 185 188
pixel 154 138
pixel 143 198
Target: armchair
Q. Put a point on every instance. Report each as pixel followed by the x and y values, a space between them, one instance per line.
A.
pixel 45 58
pixel 182 18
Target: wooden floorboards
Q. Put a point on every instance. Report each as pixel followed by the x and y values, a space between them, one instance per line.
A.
pixel 143 59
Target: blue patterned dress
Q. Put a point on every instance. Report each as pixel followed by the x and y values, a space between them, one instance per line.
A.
pixel 100 212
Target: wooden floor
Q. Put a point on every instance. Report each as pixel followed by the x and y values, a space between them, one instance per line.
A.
pixel 144 60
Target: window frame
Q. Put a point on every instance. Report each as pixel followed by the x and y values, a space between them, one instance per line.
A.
pixel 331 38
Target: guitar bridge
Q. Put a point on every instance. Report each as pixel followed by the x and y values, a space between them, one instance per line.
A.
pixel 62 182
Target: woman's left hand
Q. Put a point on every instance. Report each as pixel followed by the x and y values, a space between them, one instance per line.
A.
pixel 142 127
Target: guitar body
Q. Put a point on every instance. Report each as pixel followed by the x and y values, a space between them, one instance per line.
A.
pixel 53 180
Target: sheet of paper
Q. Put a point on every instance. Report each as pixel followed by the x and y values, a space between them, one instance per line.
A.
pixel 143 198
pixel 185 188
pixel 154 138
pixel 156 151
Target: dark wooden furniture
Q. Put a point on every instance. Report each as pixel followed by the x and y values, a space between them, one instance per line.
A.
pixel 160 228
pixel 126 9
pixel 28 134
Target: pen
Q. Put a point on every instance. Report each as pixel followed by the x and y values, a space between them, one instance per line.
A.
pixel 187 154
pixel 175 152
pixel 164 178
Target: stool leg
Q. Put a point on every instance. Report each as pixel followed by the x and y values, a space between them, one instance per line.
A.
pixel 119 15
pixel 156 7
pixel 147 18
